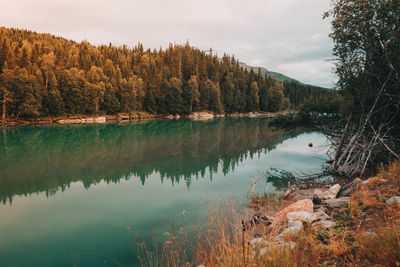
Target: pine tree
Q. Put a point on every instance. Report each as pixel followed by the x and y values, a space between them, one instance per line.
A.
pixel 24 60
pixel 214 103
pixel 252 100
pixel 228 91
pixel 192 96
pixel 3 55
pixel 173 98
pixel 150 102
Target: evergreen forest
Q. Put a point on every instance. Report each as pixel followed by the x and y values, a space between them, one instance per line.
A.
pixel 43 75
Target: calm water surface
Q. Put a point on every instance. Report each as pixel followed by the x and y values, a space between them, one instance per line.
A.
pixel 68 193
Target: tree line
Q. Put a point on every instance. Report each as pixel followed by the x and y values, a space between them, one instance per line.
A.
pixel 298 93
pixel 44 75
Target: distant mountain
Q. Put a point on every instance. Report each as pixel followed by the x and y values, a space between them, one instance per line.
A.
pixel 278 76
pixel 297 92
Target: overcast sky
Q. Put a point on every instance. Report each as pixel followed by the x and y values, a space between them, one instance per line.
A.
pixel 287 36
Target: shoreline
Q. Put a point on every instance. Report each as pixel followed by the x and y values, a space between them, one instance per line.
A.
pixel 125 117
pixel 356 223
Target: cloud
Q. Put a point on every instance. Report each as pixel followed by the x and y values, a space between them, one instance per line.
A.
pixel 288 36
pixel 316 71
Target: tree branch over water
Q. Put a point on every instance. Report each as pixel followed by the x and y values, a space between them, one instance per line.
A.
pixel 367 40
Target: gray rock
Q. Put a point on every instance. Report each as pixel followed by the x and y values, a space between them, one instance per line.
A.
pixel 293 227
pixel 326 224
pixel 337 202
pixel 270 246
pixel 263 251
pixel 347 189
pixel 273 245
pixel 320 216
pixel 258 242
pixel 395 199
pixel 318 192
pixel 303 216
pixel 298 224
pixel 289 244
pixel 331 192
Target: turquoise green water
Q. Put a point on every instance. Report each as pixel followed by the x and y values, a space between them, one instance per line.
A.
pixel 68 193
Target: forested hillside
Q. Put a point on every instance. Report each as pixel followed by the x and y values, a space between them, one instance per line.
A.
pixel 277 76
pixel 44 75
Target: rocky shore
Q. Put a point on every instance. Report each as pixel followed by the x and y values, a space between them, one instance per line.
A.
pixel 356 210
pixel 308 207
pixel 125 117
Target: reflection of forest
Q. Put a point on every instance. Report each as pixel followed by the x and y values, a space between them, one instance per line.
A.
pixel 46 159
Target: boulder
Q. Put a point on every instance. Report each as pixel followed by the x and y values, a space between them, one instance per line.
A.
pixel 301 205
pixel 293 227
pixel 273 245
pixel 303 216
pixel 258 242
pixel 263 251
pixel 318 192
pixel 201 116
pixel 337 202
pixel 101 119
pixel 297 224
pixel 331 192
pixel 395 199
pixel 320 216
pixel 347 189
pixel 268 248
pixel 289 244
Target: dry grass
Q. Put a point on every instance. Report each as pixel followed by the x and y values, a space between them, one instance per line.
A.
pixel 366 234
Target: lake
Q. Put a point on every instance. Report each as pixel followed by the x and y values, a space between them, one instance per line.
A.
pixel 69 193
